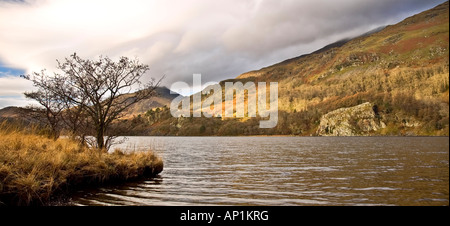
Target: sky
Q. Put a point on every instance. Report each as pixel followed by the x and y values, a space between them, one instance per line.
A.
pixel 219 39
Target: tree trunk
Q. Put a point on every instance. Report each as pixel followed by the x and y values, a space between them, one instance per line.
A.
pixel 100 139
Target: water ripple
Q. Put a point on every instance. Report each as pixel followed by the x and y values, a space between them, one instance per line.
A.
pixel 287 171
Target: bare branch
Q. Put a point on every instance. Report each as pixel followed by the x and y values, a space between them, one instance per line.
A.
pixel 92 89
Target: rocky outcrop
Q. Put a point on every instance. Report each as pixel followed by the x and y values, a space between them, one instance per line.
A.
pixel 359 120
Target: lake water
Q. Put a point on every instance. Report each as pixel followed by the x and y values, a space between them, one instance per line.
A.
pixel 287 171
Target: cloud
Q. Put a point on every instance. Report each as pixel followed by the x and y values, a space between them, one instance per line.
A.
pixel 6 101
pixel 177 38
pixel 12 89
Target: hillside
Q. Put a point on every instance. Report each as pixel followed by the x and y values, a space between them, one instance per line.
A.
pixel 20 115
pixel 401 68
pixel 162 98
pixel 11 112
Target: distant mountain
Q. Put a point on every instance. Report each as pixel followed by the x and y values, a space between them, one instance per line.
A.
pixel 402 70
pixel 20 116
pixel 11 112
pixel 162 98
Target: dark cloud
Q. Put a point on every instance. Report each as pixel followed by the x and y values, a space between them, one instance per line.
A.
pixel 278 30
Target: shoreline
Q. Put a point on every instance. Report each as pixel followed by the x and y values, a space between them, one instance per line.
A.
pixel 286 136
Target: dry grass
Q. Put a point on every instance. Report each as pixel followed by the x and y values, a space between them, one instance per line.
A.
pixel 35 170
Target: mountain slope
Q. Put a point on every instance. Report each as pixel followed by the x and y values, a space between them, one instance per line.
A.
pixel 402 69
pixel 10 112
pixel 162 98
pixel 418 41
pixel 391 81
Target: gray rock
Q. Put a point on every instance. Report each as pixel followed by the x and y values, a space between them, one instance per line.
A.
pixel 359 120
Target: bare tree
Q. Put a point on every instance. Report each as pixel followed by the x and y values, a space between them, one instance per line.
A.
pixel 96 89
pixel 52 106
pixel 77 123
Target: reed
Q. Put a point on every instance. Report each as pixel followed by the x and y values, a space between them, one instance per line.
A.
pixel 35 169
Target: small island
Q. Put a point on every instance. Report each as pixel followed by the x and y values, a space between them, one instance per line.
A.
pixel 37 170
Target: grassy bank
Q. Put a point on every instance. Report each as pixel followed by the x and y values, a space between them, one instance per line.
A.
pixel 35 170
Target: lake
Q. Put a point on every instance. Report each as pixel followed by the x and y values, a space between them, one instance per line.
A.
pixel 275 171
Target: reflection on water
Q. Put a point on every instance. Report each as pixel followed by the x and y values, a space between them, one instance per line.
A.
pixel 287 171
